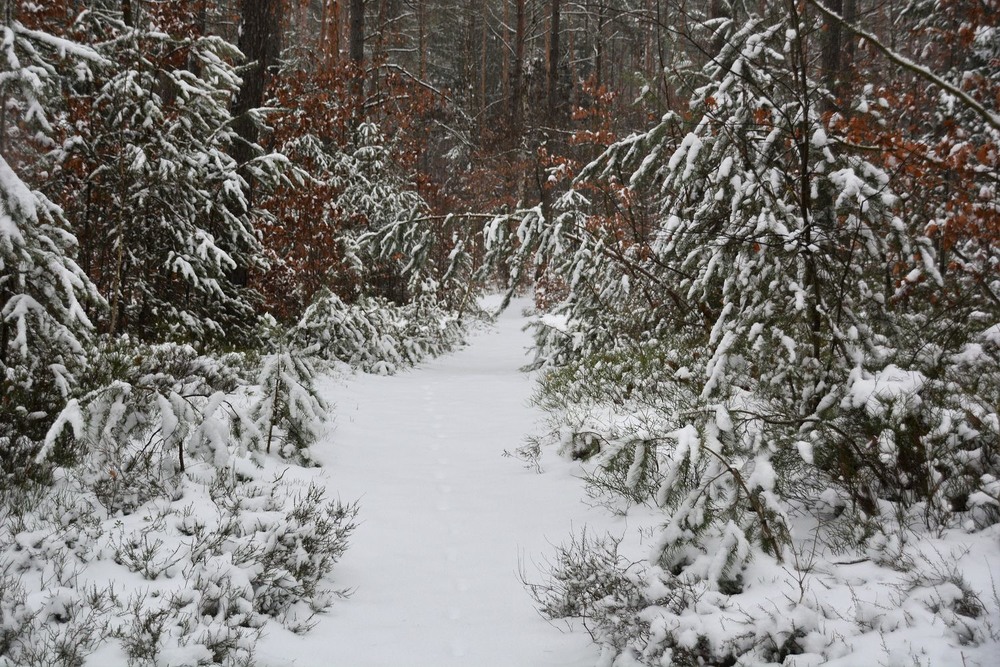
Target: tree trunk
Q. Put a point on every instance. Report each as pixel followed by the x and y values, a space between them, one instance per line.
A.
pixel 422 39
pixel 468 59
pixel 718 9
pixel 483 42
pixel 831 41
pixel 357 34
pixel 116 280
pixel 554 97
pixel 330 32
pixel 260 43
pixel 356 46
pixel 837 52
pixel 599 45
pixel 505 60
pixel 517 74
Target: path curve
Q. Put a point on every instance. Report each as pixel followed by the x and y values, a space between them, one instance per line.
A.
pixel 446 519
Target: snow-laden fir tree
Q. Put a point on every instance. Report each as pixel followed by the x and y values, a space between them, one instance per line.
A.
pixel 44 325
pixel 147 171
pixel 787 341
pixel 406 248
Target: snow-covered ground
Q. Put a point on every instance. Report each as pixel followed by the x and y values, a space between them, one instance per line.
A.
pixel 447 521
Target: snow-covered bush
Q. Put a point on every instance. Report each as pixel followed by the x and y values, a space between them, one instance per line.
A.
pixel 285 540
pixel 64 628
pixel 930 432
pixel 233 552
pixel 48 616
pixel 375 335
pixel 247 552
pixel 405 253
pixel 149 410
pixel 146 411
pixel 286 407
pixel 814 613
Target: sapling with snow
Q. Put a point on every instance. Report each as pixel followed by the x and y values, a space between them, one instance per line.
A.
pixel 149 408
pixel 375 335
pixel 286 407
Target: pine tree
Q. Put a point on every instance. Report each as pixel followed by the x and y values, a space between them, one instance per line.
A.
pixel 44 294
pixel 147 176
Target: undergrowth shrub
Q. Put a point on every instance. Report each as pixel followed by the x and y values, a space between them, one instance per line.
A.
pixel 641 614
pixel 286 540
pixel 234 553
pixel 149 410
pixel 59 627
pixel 896 453
pixel 145 410
pixel 375 335
pixel 155 468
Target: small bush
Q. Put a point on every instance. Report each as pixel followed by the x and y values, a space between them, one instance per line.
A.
pixel 373 334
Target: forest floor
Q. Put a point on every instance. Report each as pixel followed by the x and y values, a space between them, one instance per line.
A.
pixel 448 521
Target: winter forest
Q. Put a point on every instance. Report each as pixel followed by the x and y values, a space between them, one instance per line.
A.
pixel 513 333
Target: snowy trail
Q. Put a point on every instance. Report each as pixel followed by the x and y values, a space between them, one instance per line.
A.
pixel 446 520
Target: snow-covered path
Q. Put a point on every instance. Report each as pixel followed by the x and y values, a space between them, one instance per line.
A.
pixel 446 519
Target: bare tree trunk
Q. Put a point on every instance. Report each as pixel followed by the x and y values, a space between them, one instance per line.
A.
pixel 127 16
pixel 554 98
pixel 662 57
pixel 718 9
pixel 356 51
pixel 483 42
pixel 329 43
pixel 422 39
pixel 833 61
pixel 381 30
pixel 848 44
pixel 260 42
pixel 599 44
pixel 116 280
pixel 573 74
pixel 517 75
pixel 468 59
pixel 505 60
pixel 357 35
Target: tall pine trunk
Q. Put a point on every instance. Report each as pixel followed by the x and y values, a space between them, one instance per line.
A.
pixel 517 74
pixel 554 101
pixel 260 42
